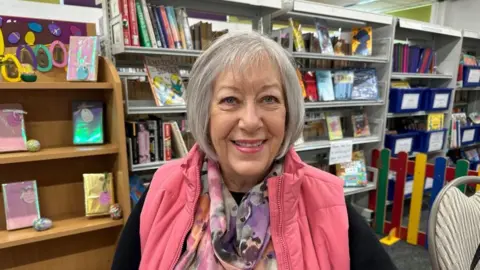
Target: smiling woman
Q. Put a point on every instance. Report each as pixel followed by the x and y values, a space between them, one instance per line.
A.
pixel 243 198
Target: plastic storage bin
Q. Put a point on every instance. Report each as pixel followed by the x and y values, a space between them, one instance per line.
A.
pixel 468 134
pixel 429 141
pixel 405 100
pixel 471 76
pixel 404 142
pixel 437 99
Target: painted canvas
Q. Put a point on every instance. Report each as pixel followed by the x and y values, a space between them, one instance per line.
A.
pixel 83 59
pixel 12 128
pixel 21 204
pixel 88 122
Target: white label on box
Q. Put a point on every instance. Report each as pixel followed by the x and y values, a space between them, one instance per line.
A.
pixel 440 101
pixel 474 76
pixel 436 141
pixel 468 135
pixel 403 145
pixel 340 152
pixel 410 101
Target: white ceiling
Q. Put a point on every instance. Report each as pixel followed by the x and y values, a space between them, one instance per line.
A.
pixel 377 6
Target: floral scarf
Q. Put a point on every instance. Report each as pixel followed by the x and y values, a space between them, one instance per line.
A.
pixel 226 235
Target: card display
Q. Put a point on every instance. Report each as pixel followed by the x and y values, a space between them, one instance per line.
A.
pixel 88 122
pixel 21 204
pixel 12 128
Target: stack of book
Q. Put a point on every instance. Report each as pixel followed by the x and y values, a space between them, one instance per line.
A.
pixel 155 26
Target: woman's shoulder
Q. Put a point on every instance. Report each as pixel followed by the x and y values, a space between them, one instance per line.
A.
pixel 320 177
pixel 317 182
pixel 168 177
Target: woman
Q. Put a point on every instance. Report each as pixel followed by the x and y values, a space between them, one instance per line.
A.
pixel 242 198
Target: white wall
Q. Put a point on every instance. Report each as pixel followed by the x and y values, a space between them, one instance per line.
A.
pixel 49 11
pixel 459 14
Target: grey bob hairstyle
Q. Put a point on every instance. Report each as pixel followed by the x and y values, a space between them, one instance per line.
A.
pixel 238 52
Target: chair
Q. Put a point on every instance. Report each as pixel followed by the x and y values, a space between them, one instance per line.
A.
pixel 454 227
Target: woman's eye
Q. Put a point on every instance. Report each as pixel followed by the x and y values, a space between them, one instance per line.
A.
pixel 229 100
pixel 270 99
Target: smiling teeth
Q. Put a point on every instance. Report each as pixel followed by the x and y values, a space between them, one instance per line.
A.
pixel 249 144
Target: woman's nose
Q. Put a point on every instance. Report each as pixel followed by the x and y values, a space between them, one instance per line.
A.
pixel 250 118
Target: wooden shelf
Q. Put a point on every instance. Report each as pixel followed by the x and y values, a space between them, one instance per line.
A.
pixel 60 228
pixel 58 153
pixel 55 85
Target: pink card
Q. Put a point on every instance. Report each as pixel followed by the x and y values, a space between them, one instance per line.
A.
pixel 83 58
pixel 21 204
pixel 12 128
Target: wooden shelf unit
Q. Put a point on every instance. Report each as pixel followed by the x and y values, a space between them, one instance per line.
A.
pixel 74 242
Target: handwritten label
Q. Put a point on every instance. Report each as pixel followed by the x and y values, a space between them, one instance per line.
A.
pixel 340 152
pixel 403 145
pixel 410 101
pixel 436 141
pixel 468 135
pixel 440 101
pixel 474 76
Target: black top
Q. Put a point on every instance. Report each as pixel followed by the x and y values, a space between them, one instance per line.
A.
pixel 366 252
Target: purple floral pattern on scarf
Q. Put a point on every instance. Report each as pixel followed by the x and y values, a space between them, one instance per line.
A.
pixel 226 235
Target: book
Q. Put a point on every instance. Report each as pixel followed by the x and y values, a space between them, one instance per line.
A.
pixel 143 137
pixel 166 84
pixel 302 85
pixel 83 58
pixel 156 31
pixel 99 193
pixel 133 23
pixel 354 173
pixel 297 35
pixel 87 122
pixel 166 27
pixel 157 21
pixel 343 84
pixel 182 20
pixel 21 204
pixel 325 85
pixel 148 22
pixel 179 145
pixel 323 36
pixel 127 36
pixel 334 126
pixel 362 41
pixel 360 125
pixel 167 141
pixel 13 135
pixel 310 86
pixel 173 27
pixel 142 26
pixel 435 121
pixel 365 85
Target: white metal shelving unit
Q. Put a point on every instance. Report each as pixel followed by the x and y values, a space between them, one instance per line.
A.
pixel 448 43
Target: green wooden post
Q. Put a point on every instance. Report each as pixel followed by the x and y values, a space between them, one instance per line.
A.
pixel 382 184
pixel 461 170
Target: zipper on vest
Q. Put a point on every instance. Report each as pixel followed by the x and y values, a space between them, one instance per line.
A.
pixel 190 223
pixel 280 224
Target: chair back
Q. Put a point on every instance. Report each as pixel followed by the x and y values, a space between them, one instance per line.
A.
pixel 454 227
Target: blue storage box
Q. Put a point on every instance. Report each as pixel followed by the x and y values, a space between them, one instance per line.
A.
pixel 468 135
pixel 404 142
pixel 406 100
pixel 429 141
pixel 408 187
pixel 471 76
pixel 437 99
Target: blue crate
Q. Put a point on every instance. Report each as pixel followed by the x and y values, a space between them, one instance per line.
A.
pixel 428 141
pixel 466 75
pixel 468 131
pixel 437 99
pixel 411 99
pixel 391 141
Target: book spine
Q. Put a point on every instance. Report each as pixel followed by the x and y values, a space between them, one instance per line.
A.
pixel 160 139
pixel 155 28
pixel 166 24
pixel 182 16
pixel 167 141
pixel 181 30
pixel 158 21
pixel 142 27
pixel 152 128
pixel 127 37
pixel 174 28
pixel 148 22
pixel 133 23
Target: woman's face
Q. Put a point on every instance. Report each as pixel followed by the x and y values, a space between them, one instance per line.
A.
pixel 247 120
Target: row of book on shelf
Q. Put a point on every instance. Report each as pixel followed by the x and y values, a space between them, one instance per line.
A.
pixel 348 84
pixel 414 59
pixel 468 124
pixel 333 125
pixel 329 44
pixel 157 139
pixel 158 26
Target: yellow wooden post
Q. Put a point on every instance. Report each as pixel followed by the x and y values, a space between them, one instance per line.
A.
pixel 417 197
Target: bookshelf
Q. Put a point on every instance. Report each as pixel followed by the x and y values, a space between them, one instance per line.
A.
pixel 74 240
pixel 447 44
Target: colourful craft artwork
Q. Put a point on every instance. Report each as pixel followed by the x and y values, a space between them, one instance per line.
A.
pixel 75 31
pixel 64 51
pixel 30 51
pixel 55 30
pixel 14 37
pixel 83 59
pixel 30 38
pixel 35 27
pixel 41 50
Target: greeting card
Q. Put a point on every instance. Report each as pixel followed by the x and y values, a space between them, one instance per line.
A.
pixel 12 128
pixel 99 194
pixel 21 204
pixel 83 59
pixel 87 122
